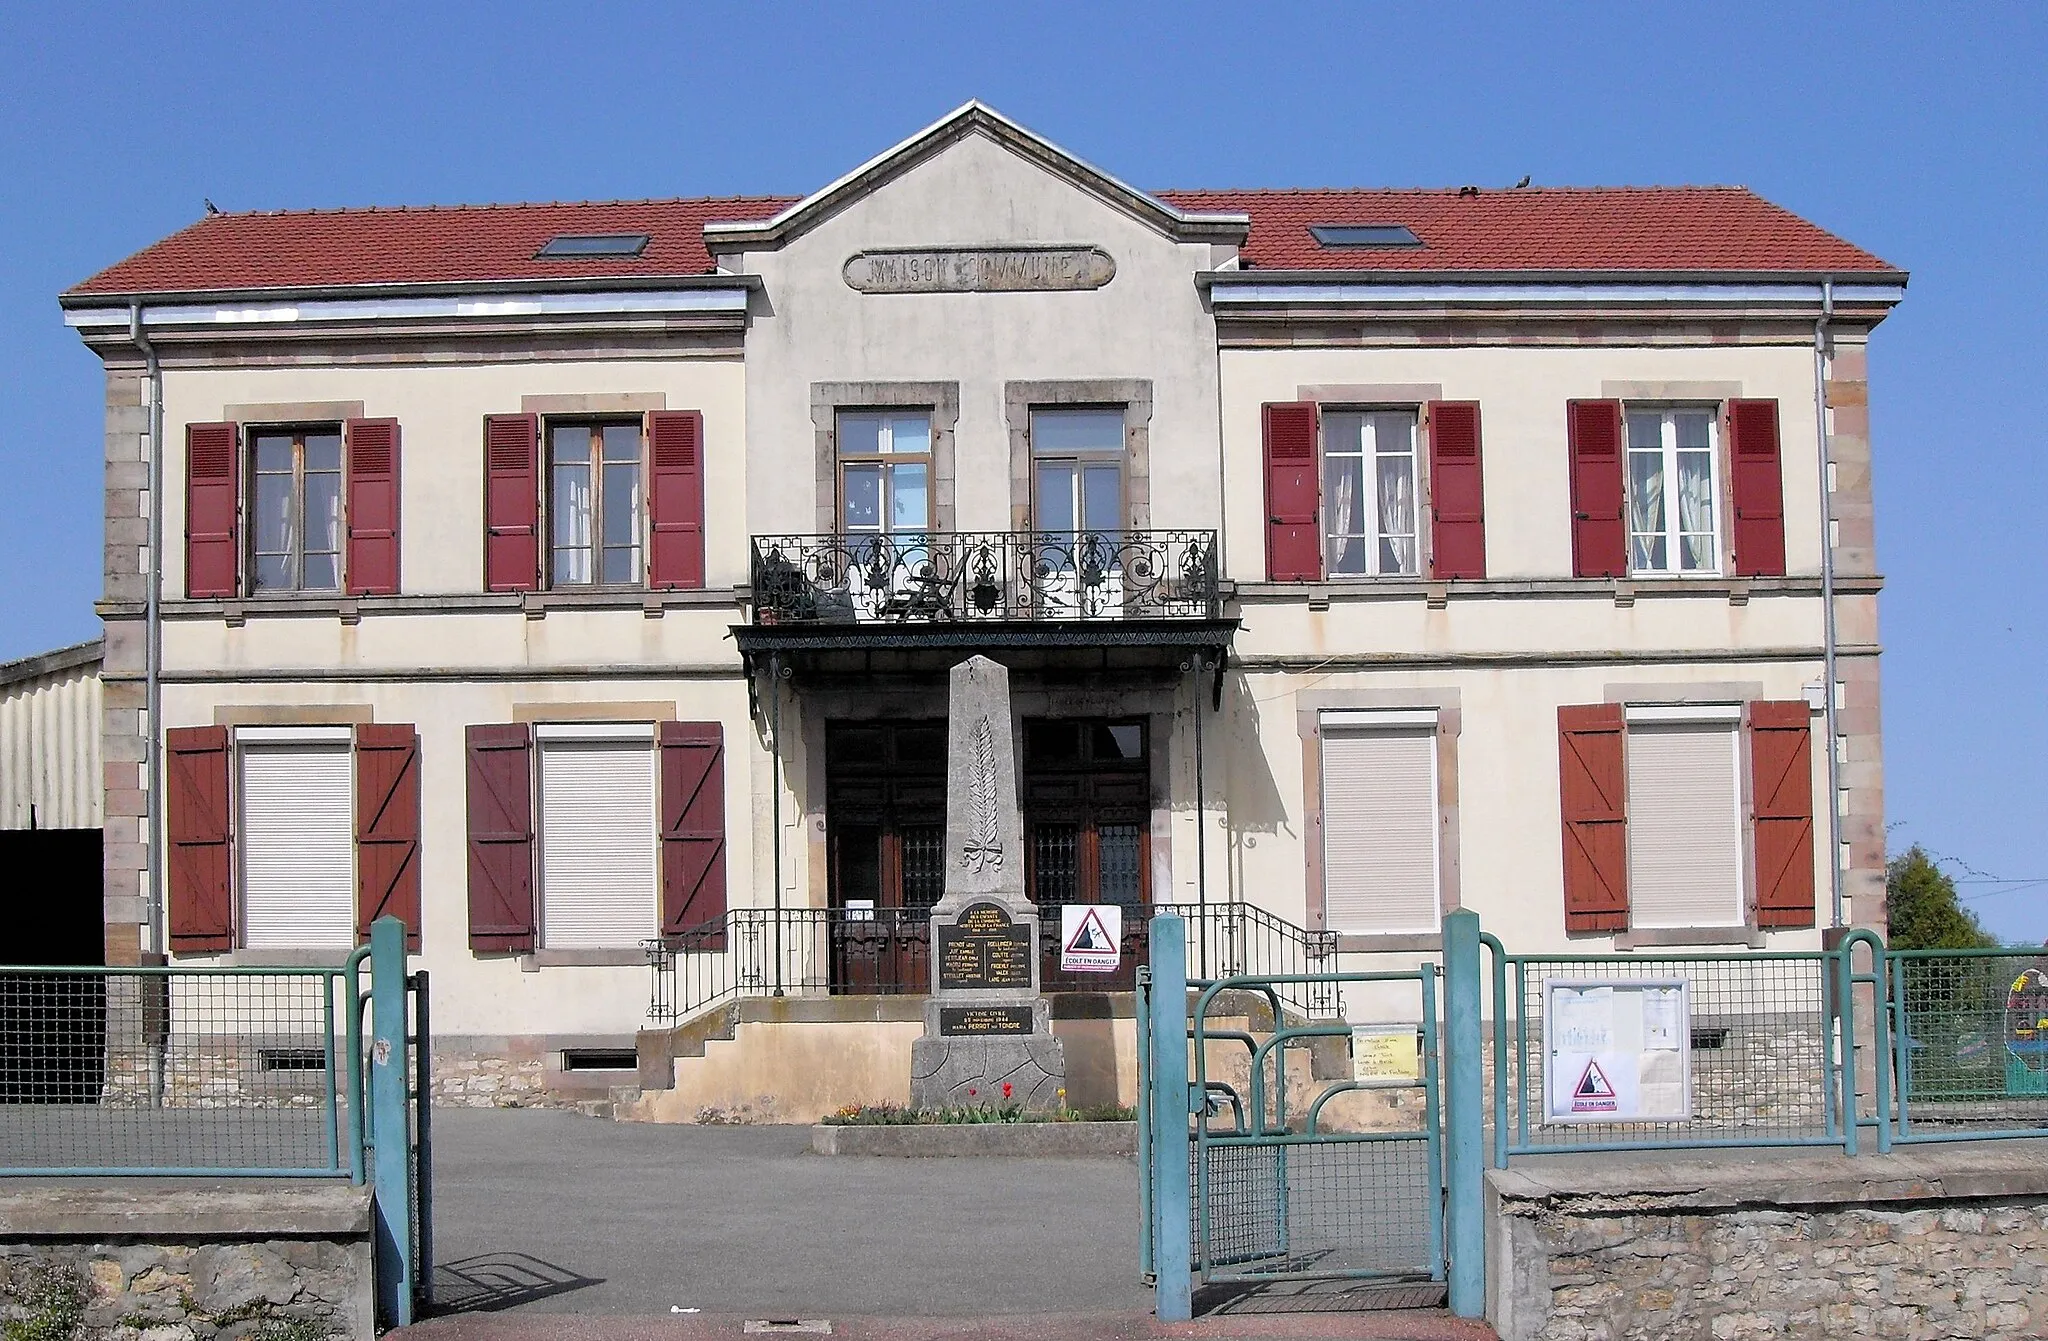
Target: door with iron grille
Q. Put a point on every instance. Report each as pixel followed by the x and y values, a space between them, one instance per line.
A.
pixel 885 814
pixel 1087 806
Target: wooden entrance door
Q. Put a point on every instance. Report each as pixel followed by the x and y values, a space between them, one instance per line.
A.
pixel 885 811
pixel 1087 812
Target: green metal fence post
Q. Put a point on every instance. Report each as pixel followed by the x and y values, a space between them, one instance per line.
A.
pixel 1173 1287
pixel 1465 1118
pixel 1142 1008
pixel 390 1133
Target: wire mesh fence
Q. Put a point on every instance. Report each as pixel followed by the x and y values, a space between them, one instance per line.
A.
pixel 1331 1205
pixel 1970 1038
pixel 1760 1046
pixel 166 1070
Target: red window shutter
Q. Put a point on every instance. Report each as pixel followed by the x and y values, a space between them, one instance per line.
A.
pixel 1781 792
pixel 1593 799
pixel 197 814
pixel 512 502
pixel 213 506
pixel 388 828
pixel 675 495
pixel 373 507
pixel 693 832
pixel 1599 532
pixel 1758 488
pixel 1457 497
pixel 1294 542
pixel 501 910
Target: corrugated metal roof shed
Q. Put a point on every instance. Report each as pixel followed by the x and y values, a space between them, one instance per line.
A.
pixel 50 740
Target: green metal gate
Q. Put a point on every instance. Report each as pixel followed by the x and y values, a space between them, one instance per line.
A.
pixel 1282 1183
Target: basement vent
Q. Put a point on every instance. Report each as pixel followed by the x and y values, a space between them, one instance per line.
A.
pixel 1709 1040
pixel 599 1059
pixel 574 246
pixel 293 1059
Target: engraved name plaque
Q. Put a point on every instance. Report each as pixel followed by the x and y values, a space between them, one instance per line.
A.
pixel 984 949
pixel 976 1021
pixel 980 270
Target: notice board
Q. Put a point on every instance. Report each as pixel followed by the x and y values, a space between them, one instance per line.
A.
pixel 1617 1050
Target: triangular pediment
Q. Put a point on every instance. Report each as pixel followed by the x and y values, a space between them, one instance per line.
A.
pixel 974 119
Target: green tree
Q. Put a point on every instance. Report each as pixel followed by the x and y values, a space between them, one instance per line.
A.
pixel 1922 910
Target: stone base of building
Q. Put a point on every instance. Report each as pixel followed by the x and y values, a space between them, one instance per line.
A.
pixel 186 1264
pixel 1942 1241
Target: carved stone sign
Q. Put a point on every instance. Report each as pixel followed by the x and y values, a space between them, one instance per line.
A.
pixel 985 949
pixel 979 1021
pixel 980 270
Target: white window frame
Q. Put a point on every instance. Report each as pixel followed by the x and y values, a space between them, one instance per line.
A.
pixel 1667 453
pixel 595 466
pixel 1372 720
pixel 340 737
pixel 1374 532
pixel 884 461
pixel 1727 716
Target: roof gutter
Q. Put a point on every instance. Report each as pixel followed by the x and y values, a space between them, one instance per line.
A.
pixel 153 627
pixel 1267 289
pixel 80 298
pixel 250 309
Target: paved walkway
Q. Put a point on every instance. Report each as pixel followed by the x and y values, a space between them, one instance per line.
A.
pixel 551 1225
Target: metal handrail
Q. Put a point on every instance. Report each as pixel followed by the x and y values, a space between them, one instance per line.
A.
pixel 954 576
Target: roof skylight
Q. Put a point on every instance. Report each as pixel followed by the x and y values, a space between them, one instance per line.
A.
pixel 577 246
pixel 1365 235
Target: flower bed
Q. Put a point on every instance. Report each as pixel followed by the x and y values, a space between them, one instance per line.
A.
pixel 985 1111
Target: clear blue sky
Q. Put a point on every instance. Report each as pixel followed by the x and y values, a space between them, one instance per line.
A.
pixel 1916 131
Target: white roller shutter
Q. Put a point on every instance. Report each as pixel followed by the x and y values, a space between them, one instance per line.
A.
pixel 1380 827
pixel 597 843
pixel 298 846
pixel 1684 825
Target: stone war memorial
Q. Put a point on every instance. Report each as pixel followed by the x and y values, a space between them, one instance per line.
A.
pixel 985 1024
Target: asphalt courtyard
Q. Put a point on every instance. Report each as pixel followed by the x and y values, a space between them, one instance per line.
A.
pixel 549 1212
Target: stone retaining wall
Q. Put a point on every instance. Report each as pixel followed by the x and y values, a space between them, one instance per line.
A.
pixel 1943 1242
pixel 142 1262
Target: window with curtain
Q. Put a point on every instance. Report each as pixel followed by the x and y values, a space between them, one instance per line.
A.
pixel 885 466
pixel 1673 482
pixel 1369 485
pixel 594 504
pixel 295 508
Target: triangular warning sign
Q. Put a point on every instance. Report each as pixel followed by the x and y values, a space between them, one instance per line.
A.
pixel 1091 934
pixel 1593 1084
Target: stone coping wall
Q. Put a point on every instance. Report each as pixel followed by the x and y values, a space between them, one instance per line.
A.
pixel 143 1261
pixel 1938 1242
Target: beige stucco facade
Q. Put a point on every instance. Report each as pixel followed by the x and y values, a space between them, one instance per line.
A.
pixel 1494 657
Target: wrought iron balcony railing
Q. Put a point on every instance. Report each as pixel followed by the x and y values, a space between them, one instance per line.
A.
pixel 985 575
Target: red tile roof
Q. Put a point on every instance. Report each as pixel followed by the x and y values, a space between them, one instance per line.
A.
pixel 1540 228
pixel 309 249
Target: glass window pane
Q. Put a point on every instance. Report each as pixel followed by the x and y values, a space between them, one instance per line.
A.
pixel 908 512
pixel 862 499
pixel 1396 502
pixel 572 567
pixel 1059 431
pixel 323 512
pixel 1695 430
pixel 1052 742
pixel 322 572
pixel 621 565
pixel 1117 863
pixel 323 451
pixel 273 572
pixel 570 519
pixel 273 509
pixel 273 452
pixel 622 504
pixel 570 442
pixel 1120 740
pixel 1102 499
pixel 860 434
pixel 1344 433
pixel 1055 496
pixel 1696 511
pixel 622 442
pixel 909 433
pixel 1393 431
pixel 1646 430
pixel 1646 497
pixel 1344 512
